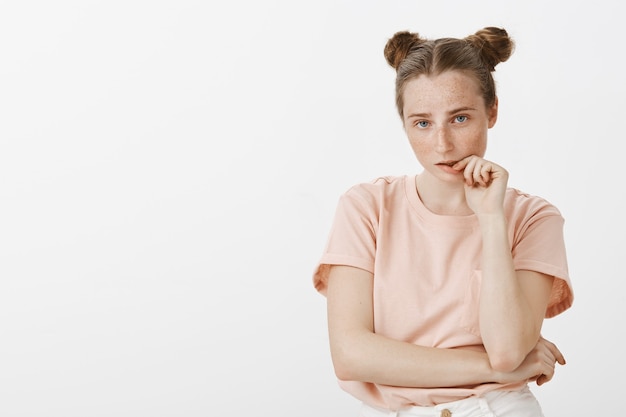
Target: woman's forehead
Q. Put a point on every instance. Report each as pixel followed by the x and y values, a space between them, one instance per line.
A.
pixel 447 88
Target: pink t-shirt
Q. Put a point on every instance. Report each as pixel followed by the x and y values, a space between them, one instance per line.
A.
pixel 427 272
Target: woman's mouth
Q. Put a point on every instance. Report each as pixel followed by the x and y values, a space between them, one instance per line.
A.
pixel 448 163
pixel 447 167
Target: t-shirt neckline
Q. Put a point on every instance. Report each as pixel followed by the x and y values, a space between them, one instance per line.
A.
pixel 469 221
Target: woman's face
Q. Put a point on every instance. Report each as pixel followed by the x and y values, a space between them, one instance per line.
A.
pixel 446 120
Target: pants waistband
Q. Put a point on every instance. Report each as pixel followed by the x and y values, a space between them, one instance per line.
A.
pixel 471 406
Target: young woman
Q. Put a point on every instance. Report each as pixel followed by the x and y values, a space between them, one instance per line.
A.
pixel 437 284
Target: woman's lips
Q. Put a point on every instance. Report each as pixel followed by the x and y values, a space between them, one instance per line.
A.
pixel 448 163
pixel 446 166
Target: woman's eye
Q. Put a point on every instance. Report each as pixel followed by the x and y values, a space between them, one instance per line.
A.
pixel 422 123
pixel 460 119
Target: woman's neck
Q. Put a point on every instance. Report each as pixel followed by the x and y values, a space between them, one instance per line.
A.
pixel 443 198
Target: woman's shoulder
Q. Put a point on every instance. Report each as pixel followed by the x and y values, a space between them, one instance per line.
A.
pixel 523 203
pixel 381 187
pixel 378 184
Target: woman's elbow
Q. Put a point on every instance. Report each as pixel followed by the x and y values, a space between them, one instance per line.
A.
pixel 344 365
pixel 344 373
pixel 507 357
pixel 506 361
pixel 348 363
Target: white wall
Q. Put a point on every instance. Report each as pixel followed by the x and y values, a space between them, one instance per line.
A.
pixel 169 171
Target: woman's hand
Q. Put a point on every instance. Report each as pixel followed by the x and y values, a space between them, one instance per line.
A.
pixel 485 184
pixel 538 365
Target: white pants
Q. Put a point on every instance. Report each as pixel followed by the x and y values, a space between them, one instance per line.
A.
pixel 493 404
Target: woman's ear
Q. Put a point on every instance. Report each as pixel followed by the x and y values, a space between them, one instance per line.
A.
pixel 492 113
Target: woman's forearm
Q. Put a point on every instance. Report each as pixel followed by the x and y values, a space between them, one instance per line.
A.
pixel 507 323
pixel 369 357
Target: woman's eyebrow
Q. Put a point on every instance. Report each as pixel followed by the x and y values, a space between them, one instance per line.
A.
pixel 450 112
pixel 461 109
pixel 419 115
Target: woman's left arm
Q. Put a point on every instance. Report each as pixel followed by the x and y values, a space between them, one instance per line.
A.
pixel 512 303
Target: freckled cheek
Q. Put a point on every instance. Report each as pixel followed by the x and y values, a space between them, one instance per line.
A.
pixel 420 146
pixel 481 151
pixel 473 144
pixel 479 146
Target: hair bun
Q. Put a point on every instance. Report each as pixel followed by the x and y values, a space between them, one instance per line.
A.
pixel 399 45
pixel 495 45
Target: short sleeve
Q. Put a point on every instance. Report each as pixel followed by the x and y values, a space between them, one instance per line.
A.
pixel 352 239
pixel 540 247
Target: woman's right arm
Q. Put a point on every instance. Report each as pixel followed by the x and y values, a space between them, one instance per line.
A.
pixel 359 354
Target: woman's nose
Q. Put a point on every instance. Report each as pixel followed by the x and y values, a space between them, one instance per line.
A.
pixel 443 140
